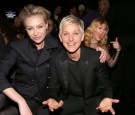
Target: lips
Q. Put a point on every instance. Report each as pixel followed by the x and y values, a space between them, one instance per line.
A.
pixel 100 36
pixel 36 38
pixel 71 44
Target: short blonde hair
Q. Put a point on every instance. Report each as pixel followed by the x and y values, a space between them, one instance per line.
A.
pixel 71 19
pixel 30 10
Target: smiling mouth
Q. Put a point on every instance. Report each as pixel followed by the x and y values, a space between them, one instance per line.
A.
pixel 71 44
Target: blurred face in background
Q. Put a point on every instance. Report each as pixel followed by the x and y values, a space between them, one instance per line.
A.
pixel 50 26
pixel 58 10
pixel 103 4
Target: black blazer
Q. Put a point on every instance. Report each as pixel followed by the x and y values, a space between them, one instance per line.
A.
pixel 2 46
pixel 30 66
pixel 95 77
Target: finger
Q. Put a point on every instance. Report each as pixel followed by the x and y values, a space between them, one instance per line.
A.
pixel 102 60
pixel 61 103
pixel 112 42
pixel 115 101
pixel 97 49
pixel 116 39
pixel 51 108
pixel 101 56
pixel 45 102
pixel 112 111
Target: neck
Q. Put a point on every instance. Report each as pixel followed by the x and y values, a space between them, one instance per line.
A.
pixel 40 46
pixel 74 56
pixel 93 43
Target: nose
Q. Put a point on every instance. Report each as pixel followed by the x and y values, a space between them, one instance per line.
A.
pixel 102 31
pixel 35 32
pixel 71 38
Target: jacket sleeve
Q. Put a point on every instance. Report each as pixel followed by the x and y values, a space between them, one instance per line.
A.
pixel 5 66
pixel 104 80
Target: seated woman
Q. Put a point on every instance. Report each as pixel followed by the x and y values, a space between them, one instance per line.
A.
pixel 96 37
pixel 31 58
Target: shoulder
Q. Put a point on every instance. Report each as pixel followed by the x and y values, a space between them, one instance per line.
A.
pixel 19 43
pixel 90 53
pixel 59 52
pixel 51 41
pixel 89 50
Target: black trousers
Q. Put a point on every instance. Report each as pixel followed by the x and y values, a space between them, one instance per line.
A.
pixel 36 107
pixel 75 105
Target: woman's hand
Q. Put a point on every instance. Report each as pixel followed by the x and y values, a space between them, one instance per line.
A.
pixel 116 45
pixel 106 105
pixel 103 56
pixel 53 104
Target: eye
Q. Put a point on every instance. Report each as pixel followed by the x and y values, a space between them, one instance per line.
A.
pixel 100 28
pixel 65 34
pixel 29 29
pixel 76 33
pixel 105 29
pixel 40 26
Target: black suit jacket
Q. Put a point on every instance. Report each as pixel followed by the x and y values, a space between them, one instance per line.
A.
pixel 96 83
pixel 2 46
pixel 32 70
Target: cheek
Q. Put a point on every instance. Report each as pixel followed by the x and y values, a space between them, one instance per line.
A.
pixel 29 33
pixel 94 35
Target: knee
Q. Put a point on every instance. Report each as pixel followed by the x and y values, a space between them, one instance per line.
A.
pixel 9 110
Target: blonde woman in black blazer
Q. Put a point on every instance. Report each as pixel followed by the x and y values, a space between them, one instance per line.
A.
pixel 30 57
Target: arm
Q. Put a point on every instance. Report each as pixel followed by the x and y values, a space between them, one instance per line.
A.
pixel 113 60
pixel 5 86
pixel 106 90
pixel 16 97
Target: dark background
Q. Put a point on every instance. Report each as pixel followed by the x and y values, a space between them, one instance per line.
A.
pixel 12 4
pixel 15 5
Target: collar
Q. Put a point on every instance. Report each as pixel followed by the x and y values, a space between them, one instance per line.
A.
pixel 49 40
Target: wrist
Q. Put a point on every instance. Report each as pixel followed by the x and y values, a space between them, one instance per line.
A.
pixel 118 50
pixel 21 101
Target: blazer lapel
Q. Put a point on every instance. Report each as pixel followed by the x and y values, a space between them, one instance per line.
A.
pixel 32 54
pixel 45 55
pixel 64 69
pixel 84 67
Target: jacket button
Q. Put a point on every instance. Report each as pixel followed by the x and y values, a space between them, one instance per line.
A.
pixel 32 80
pixel 36 68
pixel 49 77
pixel 47 65
pixel 47 87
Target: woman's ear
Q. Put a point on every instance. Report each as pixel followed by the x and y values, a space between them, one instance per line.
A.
pixel 60 38
pixel 82 37
pixel 46 25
